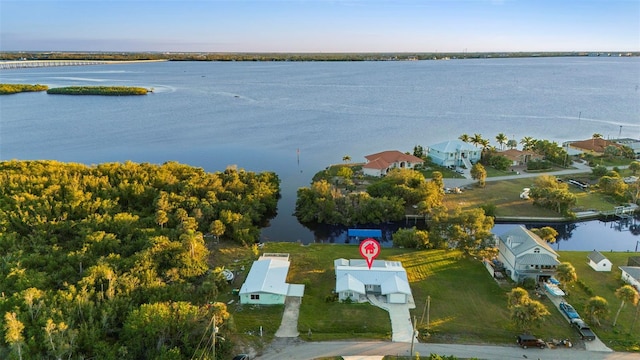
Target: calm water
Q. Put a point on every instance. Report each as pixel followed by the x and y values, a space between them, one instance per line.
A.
pixel 256 115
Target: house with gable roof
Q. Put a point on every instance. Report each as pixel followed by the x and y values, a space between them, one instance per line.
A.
pixel 266 282
pixel 355 280
pixel 599 262
pixel 594 146
pixel 454 153
pixel 379 164
pixel 520 157
pixel 631 275
pixel 525 255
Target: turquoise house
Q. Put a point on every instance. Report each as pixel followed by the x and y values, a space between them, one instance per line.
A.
pixel 454 153
pixel 266 281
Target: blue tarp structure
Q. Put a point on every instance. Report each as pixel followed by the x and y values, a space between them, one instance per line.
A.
pixel 365 233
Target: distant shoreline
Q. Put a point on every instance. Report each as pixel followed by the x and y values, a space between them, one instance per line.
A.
pixel 115 58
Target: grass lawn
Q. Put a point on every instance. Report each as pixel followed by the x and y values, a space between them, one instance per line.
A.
pixel 504 194
pixel 604 284
pixel 493 172
pixel 467 305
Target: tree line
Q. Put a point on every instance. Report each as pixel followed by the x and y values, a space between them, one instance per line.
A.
pixel 111 261
pixel 387 199
pixel 218 56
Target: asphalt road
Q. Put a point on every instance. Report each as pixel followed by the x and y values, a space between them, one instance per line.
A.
pixel 578 168
pixel 282 349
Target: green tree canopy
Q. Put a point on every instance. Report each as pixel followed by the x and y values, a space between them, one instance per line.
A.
pixel 626 294
pixel 597 308
pixel 550 193
pixel 479 173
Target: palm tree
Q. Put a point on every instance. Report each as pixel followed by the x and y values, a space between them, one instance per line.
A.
pixel 512 144
pixel 566 273
pixel 484 143
pixel 476 139
pixel 464 137
pixel 501 139
pixel 346 158
pixel 527 143
pixel 625 293
pixel 597 307
pixel 594 137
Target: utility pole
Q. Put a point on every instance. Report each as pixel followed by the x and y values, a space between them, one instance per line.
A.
pixel 213 335
pixel 413 336
pixel 428 311
pixel 425 310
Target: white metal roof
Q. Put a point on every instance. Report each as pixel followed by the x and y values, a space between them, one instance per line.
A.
pixel 394 285
pixel 381 271
pixel 296 290
pixel 267 275
pixel 348 282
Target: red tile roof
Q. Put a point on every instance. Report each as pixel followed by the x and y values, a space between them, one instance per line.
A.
pixel 516 155
pixel 383 160
pixel 596 145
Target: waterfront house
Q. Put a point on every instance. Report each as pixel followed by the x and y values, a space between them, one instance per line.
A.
pixel 454 153
pixel 520 157
pixel 266 282
pixel 631 275
pixel 379 164
pixel 525 255
pixel 633 144
pixel 598 261
pixel 354 280
pixel 591 146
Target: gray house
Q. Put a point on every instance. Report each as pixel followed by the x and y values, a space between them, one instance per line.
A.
pixel 525 255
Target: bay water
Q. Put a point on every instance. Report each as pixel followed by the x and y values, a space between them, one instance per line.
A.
pixel 296 118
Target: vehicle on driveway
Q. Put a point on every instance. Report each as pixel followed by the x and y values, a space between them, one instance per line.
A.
pixel 530 341
pixel 568 310
pixel 583 329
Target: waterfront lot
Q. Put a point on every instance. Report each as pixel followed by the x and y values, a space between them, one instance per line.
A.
pixel 467 304
pixel 505 195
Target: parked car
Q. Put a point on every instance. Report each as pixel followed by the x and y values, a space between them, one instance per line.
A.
pixel 569 311
pixel 583 329
pixel 530 341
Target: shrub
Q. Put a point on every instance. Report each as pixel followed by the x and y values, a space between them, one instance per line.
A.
pixel 585 288
pixel 489 209
pixel 528 283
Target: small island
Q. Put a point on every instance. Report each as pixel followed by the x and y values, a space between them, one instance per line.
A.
pixel 7 89
pixel 98 90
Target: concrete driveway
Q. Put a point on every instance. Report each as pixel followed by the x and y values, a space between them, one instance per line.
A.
pixel 289 324
pixel 401 325
pixel 594 345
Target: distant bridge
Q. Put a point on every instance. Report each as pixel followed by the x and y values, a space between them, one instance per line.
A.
pixel 48 63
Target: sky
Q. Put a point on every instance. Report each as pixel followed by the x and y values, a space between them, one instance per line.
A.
pixel 312 26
